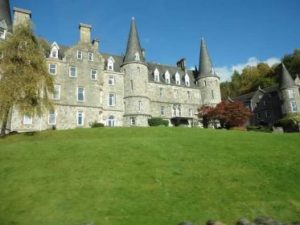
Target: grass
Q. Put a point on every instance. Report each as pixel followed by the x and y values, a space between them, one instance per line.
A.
pixel 148 176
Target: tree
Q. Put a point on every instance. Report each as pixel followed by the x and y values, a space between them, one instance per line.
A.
pixel 229 114
pixel 25 83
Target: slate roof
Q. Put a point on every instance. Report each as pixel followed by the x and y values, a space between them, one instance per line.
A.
pixel 118 61
pixel 5 14
pixel 172 70
pixel 205 64
pixel 248 96
pixel 133 44
pixel 286 79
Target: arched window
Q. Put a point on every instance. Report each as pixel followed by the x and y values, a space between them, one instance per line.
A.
pixel 156 75
pixel 167 77
pixel 187 80
pixel 177 78
pixel 111 122
pixel 54 50
pixel 110 63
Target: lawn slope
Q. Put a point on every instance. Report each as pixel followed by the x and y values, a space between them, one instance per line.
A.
pixel 148 176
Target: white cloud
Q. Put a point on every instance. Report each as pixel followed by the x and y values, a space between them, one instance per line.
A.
pixel 225 72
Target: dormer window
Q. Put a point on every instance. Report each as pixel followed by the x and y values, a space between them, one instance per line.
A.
pixel 177 78
pixel 137 56
pixel 156 75
pixel 110 63
pixel 54 50
pixel 187 80
pixel 2 33
pixel 167 77
pixel 79 54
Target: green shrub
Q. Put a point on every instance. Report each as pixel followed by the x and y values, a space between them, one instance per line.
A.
pixel 96 125
pixel 290 122
pixel 157 121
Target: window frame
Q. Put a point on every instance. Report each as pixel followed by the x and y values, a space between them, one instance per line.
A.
pixel 111 80
pixel 49 117
pixel 294 107
pixel 79 53
pixel 82 118
pixel 132 121
pixel 111 101
pixel 83 94
pixel 59 92
pixel 55 68
pixel 91 56
pixel 70 71
pixel 96 74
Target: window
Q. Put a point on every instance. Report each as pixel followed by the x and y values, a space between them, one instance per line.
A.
pixel 290 93
pixel 79 54
pixel 293 106
pixel 56 92
pixel 187 80
pixel 91 56
pixel 52 118
pixel 54 50
pixel 110 63
pixel 2 33
pixel 80 118
pixel 80 94
pixel 161 92
pixel 212 94
pixel 52 69
pixel 204 83
pixel 162 110
pixel 132 121
pixel 176 110
pixel 167 77
pixel 111 99
pixel 177 78
pixel 137 56
pixel 73 71
pixel 111 122
pixel 54 53
pixel 156 75
pixel 27 119
pixel 140 106
pixel 93 74
pixel 111 80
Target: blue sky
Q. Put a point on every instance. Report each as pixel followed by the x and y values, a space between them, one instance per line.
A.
pixel 237 32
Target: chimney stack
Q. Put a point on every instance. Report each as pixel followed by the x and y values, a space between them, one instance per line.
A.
pixel 85 32
pixel 181 64
pixel 95 43
pixel 21 16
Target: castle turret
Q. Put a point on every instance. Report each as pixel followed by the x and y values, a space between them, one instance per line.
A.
pixel 5 19
pixel 136 100
pixel 208 80
pixel 289 93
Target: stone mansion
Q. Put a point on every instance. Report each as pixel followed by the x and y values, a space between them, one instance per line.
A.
pixel 91 86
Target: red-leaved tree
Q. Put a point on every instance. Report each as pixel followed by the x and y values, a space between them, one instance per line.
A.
pixel 229 114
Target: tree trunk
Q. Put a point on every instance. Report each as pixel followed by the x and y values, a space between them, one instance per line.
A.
pixel 4 123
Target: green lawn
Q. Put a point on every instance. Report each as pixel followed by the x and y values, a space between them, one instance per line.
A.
pixel 148 176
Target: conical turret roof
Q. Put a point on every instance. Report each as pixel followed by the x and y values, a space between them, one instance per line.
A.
pixel 134 50
pixel 205 64
pixel 286 79
pixel 5 15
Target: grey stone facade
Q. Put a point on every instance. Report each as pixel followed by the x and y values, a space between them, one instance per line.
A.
pixel 119 90
pixel 270 104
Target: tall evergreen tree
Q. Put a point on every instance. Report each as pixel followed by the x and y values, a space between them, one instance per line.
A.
pixel 25 83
